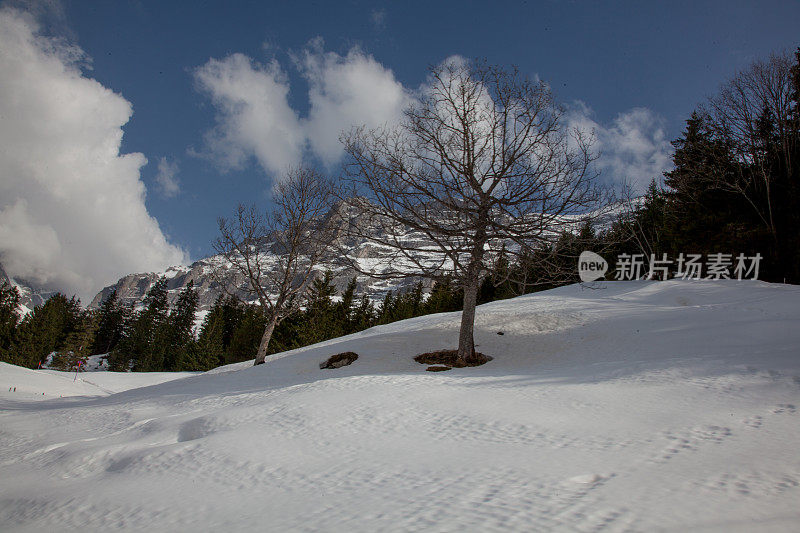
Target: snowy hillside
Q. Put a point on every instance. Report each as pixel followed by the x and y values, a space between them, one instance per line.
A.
pixel 638 406
pixel 22 383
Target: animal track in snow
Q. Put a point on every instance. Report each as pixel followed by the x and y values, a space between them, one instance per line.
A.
pixel 754 422
pixel 80 514
pixel 784 408
pixel 752 484
pixel 692 440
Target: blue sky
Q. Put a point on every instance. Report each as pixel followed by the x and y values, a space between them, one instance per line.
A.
pixel 634 71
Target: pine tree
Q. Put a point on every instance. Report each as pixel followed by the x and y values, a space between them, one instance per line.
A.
pixel 444 297
pixel 363 316
pixel 387 310
pixel 177 332
pixel 77 346
pixel 408 304
pixel 344 309
pixel 45 329
pixel 216 333
pixel 137 350
pixel 415 300
pixel 497 284
pixel 9 318
pixel 321 319
pixel 210 342
pixel 247 336
pixel 111 322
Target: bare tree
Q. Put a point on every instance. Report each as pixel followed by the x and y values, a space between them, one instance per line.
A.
pixel 480 162
pixel 277 252
pixel 758 99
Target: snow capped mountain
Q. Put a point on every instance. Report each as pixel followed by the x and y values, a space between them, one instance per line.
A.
pixel 369 255
pixel 207 273
pixel 133 287
pixel 30 294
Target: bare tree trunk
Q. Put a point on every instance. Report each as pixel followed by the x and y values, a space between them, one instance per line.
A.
pixel 466 340
pixel 300 239
pixel 261 355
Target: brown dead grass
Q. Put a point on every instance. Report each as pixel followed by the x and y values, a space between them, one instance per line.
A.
pixel 339 360
pixel 448 358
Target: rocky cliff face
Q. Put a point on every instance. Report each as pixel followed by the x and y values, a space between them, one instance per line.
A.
pixel 207 272
pixel 30 294
pixel 133 287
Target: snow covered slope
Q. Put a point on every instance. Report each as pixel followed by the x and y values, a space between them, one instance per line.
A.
pixel 640 406
pixel 47 384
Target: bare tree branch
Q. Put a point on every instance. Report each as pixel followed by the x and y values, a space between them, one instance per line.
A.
pixel 277 252
pixel 480 163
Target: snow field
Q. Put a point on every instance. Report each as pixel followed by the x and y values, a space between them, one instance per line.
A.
pixel 638 406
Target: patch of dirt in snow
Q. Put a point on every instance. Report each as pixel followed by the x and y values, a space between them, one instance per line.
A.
pixel 449 358
pixel 339 360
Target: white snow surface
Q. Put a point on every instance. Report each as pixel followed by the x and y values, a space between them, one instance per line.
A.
pixel 47 384
pixel 636 406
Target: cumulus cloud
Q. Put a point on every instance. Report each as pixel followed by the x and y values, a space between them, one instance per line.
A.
pixel 633 148
pixel 72 211
pixel 167 177
pixel 254 118
pixel 345 91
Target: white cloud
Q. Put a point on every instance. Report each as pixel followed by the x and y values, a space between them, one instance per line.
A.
pixel 166 178
pixel 254 118
pixel 72 211
pixel 345 91
pixel 633 149
pixel 253 114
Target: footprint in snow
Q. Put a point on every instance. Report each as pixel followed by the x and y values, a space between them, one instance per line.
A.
pixel 754 422
pixel 784 408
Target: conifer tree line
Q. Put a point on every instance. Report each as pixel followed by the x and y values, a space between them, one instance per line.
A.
pixel 735 186
pixel 734 189
pixel 159 338
pixel 156 337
